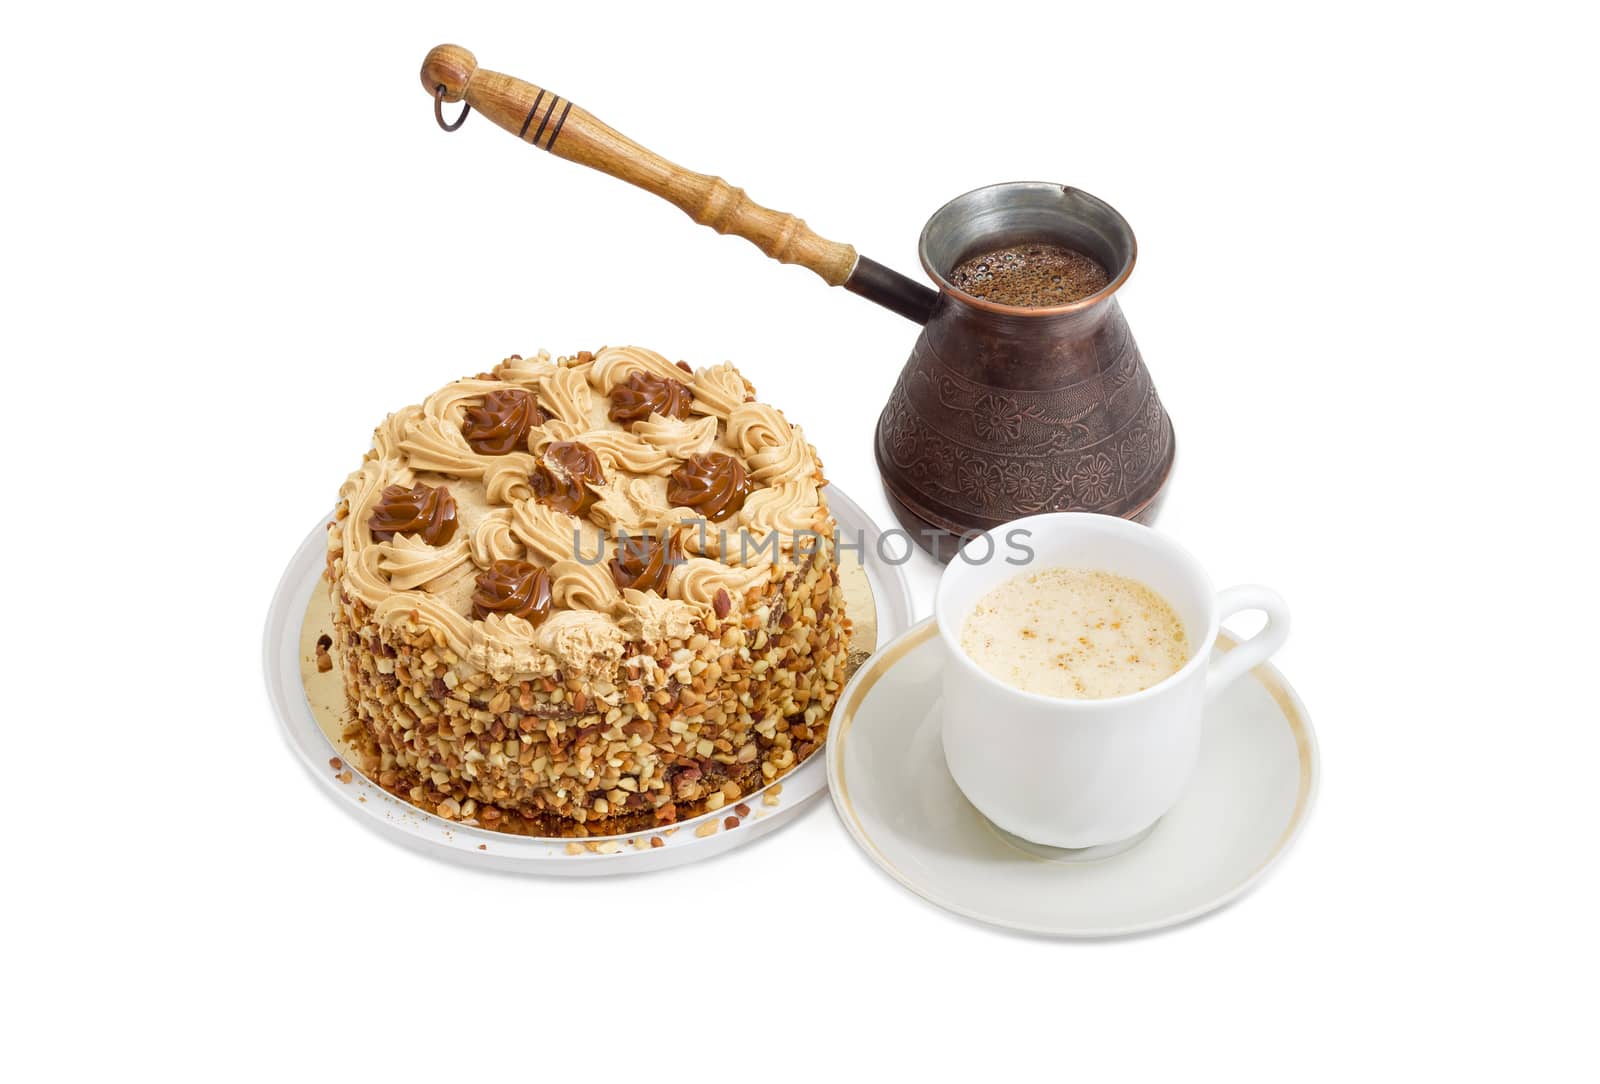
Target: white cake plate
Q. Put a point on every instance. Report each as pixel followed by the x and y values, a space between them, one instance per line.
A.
pixel 293 685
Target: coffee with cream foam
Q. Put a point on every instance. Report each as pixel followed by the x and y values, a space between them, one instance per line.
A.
pixel 1074 633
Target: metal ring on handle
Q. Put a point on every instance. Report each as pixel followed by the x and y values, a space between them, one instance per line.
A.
pixel 438 110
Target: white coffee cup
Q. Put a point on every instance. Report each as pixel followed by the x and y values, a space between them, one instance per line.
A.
pixel 1083 773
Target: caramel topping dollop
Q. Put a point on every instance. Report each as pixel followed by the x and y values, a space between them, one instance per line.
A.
pixel 712 483
pixel 644 563
pixel 515 588
pixel 643 394
pixel 500 425
pixel 420 510
pixel 565 477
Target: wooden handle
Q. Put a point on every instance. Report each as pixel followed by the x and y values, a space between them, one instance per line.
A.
pixel 568 131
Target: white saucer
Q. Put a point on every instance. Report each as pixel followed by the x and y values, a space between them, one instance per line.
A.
pixel 310 706
pixel 1249 799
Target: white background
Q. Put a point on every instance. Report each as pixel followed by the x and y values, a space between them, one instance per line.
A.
pixel 234 239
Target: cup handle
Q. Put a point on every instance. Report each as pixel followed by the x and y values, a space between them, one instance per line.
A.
pixel 1260 647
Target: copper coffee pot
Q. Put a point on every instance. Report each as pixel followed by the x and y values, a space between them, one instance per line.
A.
pixel 1001 411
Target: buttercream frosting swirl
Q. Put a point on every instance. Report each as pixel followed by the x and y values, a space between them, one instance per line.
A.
pixel 719 389
pixel 580 585
pixel 548 533
pixel 698 580
pixel 493 539
pixel 410 561
pixel 615 364
pixel 776 451
pixel 507 478
pixel 785 508
pixel 526 372
pixel 566 392
pixel 676 438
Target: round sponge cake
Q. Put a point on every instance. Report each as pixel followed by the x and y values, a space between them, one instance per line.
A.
pixel 587 595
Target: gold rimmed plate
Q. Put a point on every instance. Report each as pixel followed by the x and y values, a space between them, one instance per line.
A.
pixel 1249 799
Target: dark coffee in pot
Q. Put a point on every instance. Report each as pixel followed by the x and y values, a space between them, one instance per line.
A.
pixel 1033 276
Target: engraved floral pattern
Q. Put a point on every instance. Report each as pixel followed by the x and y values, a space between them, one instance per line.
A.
pixel 1135 450
pixel 1025 484
pixel 940 457
pixel 996 417
pixel 903 441
pixel 979 479
pixel 1094 479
